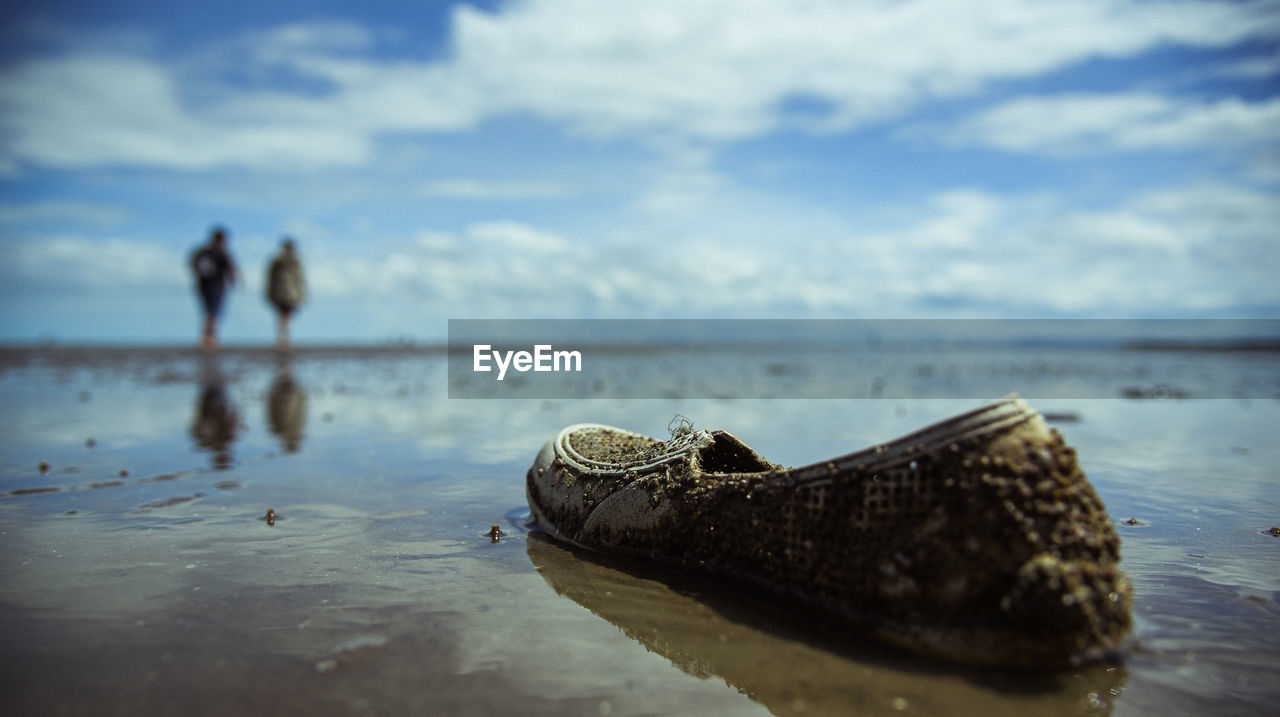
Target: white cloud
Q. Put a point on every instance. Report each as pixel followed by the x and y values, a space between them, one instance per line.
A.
pixel 62 211
pixel 80 264
pixel 489 264
pixel 516 236
pixel 1217 215
pixel 437 242
pixel 723 70
pixel 460 188
pixel 1252 68
pixel 966 252
pixel 682 190
pixel 965 218
pixel 300 39
pixel 1127 229
pixel 1194 249
pixel 1085 123
pixel 90 110
pixel 711 71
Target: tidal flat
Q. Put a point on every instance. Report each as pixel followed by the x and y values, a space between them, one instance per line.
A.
pixel 312 533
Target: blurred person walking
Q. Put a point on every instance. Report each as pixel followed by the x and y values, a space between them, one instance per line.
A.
pixel 286 288
pixel 214 271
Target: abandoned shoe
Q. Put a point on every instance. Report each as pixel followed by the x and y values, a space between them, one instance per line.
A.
pixel 977 539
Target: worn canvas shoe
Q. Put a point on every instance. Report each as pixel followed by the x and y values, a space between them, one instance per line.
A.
pixel 977 539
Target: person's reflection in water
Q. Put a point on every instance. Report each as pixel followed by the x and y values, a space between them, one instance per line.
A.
pixel 216 422
pixel 287 408
pixel 764 649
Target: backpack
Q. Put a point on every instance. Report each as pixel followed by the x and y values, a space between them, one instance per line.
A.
pixel 285 285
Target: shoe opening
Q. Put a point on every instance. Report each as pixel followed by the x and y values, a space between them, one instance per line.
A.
pixel 728 455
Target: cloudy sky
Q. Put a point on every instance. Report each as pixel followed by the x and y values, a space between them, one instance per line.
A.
pixel 585 159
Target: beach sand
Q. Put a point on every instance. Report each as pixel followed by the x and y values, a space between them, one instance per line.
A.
pixel 141 575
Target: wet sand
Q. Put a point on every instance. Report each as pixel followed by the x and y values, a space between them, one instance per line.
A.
pixel 140 575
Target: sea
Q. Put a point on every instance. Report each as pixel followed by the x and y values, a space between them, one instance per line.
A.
pixel 344 529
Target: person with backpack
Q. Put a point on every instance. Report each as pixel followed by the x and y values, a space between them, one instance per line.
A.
pixel 286 288
pixel 214 271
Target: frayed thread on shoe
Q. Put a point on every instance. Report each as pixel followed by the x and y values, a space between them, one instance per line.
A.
pixel 679 426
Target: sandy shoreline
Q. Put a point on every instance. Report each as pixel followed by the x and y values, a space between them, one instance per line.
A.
pixel 377 591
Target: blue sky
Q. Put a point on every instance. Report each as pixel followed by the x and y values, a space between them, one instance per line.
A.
pixel 577 159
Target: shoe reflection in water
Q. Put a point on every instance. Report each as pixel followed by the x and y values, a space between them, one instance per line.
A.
pixel 216 422
pixel 287 408
pixel 790 660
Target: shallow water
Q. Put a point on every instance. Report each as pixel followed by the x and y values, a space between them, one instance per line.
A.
pixel 140 576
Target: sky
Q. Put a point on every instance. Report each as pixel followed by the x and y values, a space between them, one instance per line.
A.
pixel 669 159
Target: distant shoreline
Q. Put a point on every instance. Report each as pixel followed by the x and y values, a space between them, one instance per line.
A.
pixel 91 354
pixel 1255 345
pixel 17 350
